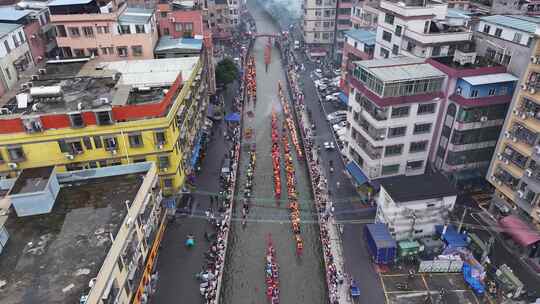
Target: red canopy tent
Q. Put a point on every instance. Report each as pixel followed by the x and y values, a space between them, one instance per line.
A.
pixel 519 230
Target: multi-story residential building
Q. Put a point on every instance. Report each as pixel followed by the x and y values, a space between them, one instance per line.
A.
pixel 514 169
pixel 319 25
pixel 394 104
pixel 234 12
pixel 217 19
pixel 35 18
pixel 93 235
pixel 98 114
pixel 15 56
pixel 507 40
pixel 364 14
pixel 477 96
pixel 411 211
pixel 179 21
pixel 493 7
pixel 417 28
pixel 459 4
pixel 110 31
pixel 359 45
pixel 343 23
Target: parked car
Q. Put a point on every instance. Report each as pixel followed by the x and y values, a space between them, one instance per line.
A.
pixel 335 114
pixel 328 145
pixel 339 125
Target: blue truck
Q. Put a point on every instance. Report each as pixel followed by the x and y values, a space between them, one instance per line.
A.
pixel 381 245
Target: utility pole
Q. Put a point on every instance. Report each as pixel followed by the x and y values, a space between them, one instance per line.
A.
pixel 462 219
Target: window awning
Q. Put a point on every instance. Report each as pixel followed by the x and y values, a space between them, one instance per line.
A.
pixel 343 98
pixel 519 230
pixel 357 173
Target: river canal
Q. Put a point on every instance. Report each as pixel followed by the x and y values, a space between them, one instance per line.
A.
pixel 301 279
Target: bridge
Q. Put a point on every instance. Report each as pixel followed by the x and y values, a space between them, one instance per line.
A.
pixel 271 35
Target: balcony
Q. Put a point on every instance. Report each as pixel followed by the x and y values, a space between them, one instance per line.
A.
pixel 442 37
pixel 532 177
pixel 519 133
pixel 371 151
pixel 377 113
pixel 410 9
pixel 528 109
pixel 502 177
pixel 511 155
pixel 374 133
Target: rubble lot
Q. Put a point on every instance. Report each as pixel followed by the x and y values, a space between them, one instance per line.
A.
pixel 421 284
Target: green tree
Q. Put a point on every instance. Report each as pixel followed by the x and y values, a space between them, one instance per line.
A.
pixel 226 72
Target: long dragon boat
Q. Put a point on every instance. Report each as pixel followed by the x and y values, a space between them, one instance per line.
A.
pixel 276 156
pixel 271 270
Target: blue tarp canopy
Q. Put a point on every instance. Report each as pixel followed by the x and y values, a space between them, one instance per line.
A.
pixel 196 151
pixel 234 117
pixel 169 203
pixel 343 98
pixel 355 171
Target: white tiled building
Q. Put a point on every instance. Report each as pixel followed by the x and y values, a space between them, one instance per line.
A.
pixel 393 111
pixel 15 55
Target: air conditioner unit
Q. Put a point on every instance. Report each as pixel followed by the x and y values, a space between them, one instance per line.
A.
pixel 160 147
pixel 500 156
pixel 529 172
pixel 172 20
pixel 42 71
pixel 516 112
pixel 532 90
pixel 507 134
pixel 499 182
pixel 514 139
pixel 163 169
pixel 506 162
pixel 523 116
pixel 521 193
pixel 13 165
pixel 524 86
pixel 35 77
pixel 24 86
pixel 113 152
pixel 537 149
pixel 104 100
pixel 483 118
pixel 69 156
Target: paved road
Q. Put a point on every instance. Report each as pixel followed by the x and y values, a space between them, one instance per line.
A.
pixel 176 264
pixel 346 200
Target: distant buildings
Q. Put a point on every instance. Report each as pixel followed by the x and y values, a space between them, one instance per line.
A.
pixel 93 235
pixel 179 21
pixel 318 26
pixel 15 55
pixel 359 45
pixel 113 31
pixel 514 170
pixel 411 206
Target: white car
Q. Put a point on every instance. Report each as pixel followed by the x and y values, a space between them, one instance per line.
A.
pixel 341 133
pixel 336 114
pixel 330 97
pixel 328 145
pixel 339 125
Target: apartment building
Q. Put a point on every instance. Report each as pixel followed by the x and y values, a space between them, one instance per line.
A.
pixel 477 97
pixel 217 19
pixel 343 23
pixel 394 104
pixel 15 56
pixel 417 28
pixel 35 18
pixel 507 40
pixel 179 20
pixel 111 31
pixel 364 14
pixel 96 242
pixel 493 7
pixel 410 211
pixel 359 45
pixel 76 115
pixel 318 26
pixel 235 8
pixel 514 167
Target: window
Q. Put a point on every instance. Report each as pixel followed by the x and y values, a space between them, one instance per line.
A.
pixel 415 165
pixel 166 31
pixel 400 112
pixel 87 143
pixel 163 162
pixel 167 183
pixel 78 52
pixel 387 36
pixel 6 45
pixel 498 32
pixel 71 146
pixel 97 142
pixel 122 51
pixel 104 118
pixel 88 31
pixel 135 140
pixel 384 53
pixel 188 27
pixel 487 28
pixel 503 90
pixel 93 52
pixel 163 14
pixel 8 74
pixel 517 38
pixel 426 108
pixel 16 153
pixel 418 146
pixel 74 32
pixel 422 128
pixel 398 30
pixel 436 51
pixel 125 29
pixel 160 138
pixel 109 143
pixel 393 150
pixel 390 169
pixel 21 37
pixel 474 93
pixel 104 51
pixel 491 92
pixel 15 41
pixel 139 28
pixel 395 49
pixel 61 31
pixel 389 19
pixel 104 29
pixel 76 120
pixel 397 132
pixel 137 50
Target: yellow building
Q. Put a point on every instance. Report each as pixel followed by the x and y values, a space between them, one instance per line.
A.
pixel 515 167
pixel 76 115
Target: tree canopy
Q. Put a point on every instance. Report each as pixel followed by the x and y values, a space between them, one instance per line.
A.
pixel 226 71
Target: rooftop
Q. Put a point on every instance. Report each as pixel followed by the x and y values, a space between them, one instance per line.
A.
pixel 51 258
pixel 404 188
pixel 517 22
pixel 68 2
pixel 32 180
pixel 364 36
pixel 75 85
pixel 492 78
pixel 9 13
pixel 135 15
pixel 400 69
pixel 167 43
pixel 6 28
